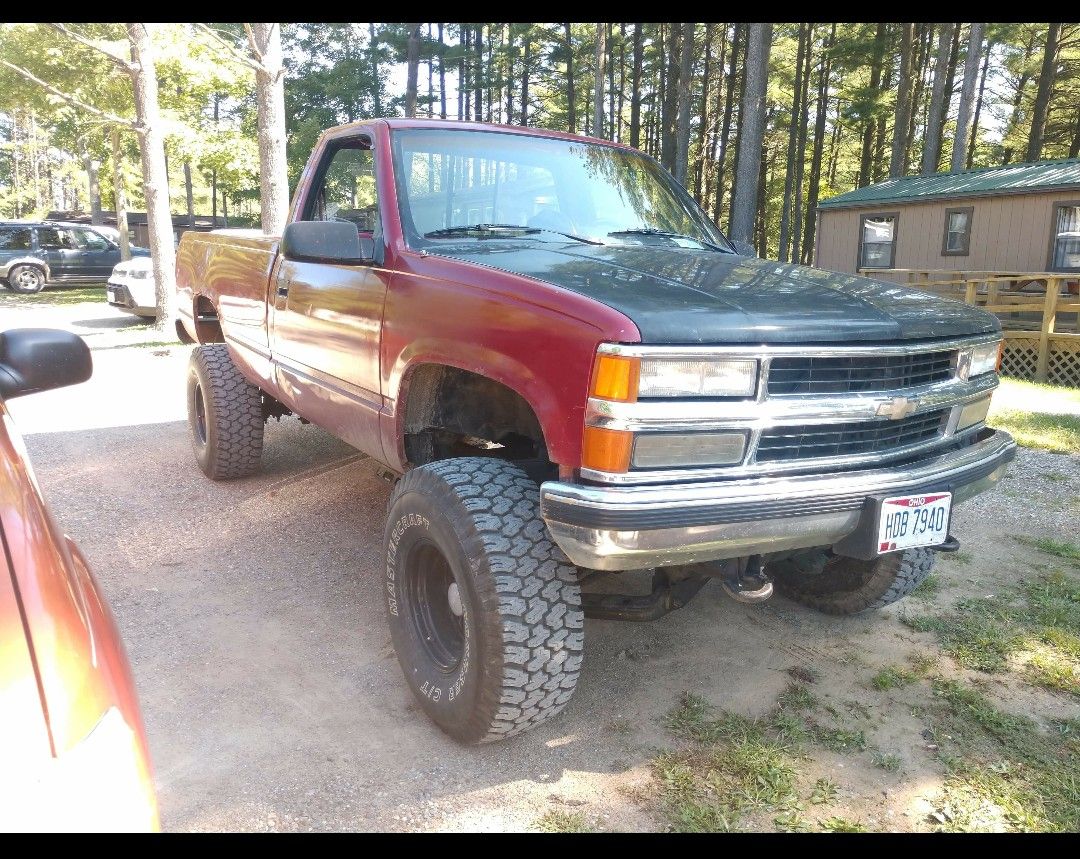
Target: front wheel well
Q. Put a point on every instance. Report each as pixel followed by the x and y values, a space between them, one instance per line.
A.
pixel 451 412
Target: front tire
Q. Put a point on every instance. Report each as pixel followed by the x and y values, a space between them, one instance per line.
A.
pixel 26 279
pixel 224 415
pixel 848 586
pixel 484 610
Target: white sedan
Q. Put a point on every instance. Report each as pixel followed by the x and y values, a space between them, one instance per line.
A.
pixel 131 287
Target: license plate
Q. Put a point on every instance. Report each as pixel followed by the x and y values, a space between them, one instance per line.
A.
pixel 909 521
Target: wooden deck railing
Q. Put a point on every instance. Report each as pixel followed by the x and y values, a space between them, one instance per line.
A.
pixel 1038 345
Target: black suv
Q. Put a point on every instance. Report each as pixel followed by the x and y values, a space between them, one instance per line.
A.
pixel 33 254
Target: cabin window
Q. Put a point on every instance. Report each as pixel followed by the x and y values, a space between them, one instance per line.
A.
pixel 957 238
pixel 1065 239
pixel 877 240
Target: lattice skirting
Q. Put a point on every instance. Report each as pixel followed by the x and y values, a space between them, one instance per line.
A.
pixel 1021 358
pixel 1063 368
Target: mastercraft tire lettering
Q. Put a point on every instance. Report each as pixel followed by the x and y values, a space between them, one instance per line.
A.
pixel 484 610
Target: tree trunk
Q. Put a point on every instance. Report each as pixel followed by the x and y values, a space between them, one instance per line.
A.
pixel 752 131
pixel 671 100
pixel 376 87
pixel 903 102
pixel 920 67
pixel 876 61
pixel 92 167
pixel 703 118
pixel 635 88
pixel 155 182
pixel 1047 77
pixel 598 82
pixel 932 141
pixel 978 104
pixel 950 81
pixel 478 73
pixel 188 195
pixel 465 43
pixel 119 195
pixel 525 71
pixel 413 60
pixel 442 74
pixel 819 146
pixel 793 136
pixel 800 148
pixel 508 41
pixel 270 99
pixel 620 109
pixel 725 131
pixel 430 72
pixel 682 123
pixel 571 112
pixel 967 95
pixel 609 59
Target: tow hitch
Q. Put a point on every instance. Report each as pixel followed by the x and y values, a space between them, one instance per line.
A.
pixel 748 583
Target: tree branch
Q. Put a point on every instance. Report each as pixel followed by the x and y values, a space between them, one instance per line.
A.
pixel 70 99
pixel 127 66
pixel 234 54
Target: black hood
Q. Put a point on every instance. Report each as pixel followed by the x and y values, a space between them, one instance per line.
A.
pixel 684 296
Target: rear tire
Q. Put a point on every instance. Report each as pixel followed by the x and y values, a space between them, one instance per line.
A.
pixel 484 610
pixel 849 586
pixel 26 279
pixel 224 415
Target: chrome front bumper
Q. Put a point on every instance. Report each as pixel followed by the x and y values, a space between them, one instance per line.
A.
pixel 637 527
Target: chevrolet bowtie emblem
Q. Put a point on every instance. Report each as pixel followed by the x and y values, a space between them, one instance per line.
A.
pixel 897 408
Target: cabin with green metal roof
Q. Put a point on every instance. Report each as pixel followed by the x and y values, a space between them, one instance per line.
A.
pixel 1016 218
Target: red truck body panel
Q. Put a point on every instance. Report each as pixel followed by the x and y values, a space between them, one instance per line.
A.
pixel 349 369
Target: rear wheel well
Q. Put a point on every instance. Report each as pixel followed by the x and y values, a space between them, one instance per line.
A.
pixel 207 325
pixel 451 412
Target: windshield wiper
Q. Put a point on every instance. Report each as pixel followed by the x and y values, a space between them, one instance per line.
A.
pixel 500 231
pixel 666 234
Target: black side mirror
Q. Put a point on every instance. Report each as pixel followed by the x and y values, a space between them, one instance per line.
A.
pixel 326 241
pixel 40 359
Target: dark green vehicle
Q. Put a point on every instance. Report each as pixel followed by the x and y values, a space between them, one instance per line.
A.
pixel 33 254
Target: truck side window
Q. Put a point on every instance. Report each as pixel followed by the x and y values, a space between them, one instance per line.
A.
pixel 53 238
pixel 347 191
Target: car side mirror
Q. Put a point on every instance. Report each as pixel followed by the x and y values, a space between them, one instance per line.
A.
pixel 743 249
pixel 336 242
pixel 40 359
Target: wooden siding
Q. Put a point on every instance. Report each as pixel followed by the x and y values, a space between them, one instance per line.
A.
pixel 1010 232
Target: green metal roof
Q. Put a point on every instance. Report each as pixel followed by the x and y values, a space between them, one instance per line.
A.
pixel 1023 178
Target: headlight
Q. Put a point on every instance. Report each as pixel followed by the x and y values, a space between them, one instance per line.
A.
pixel 712 378
pixel 985 358
pixel 688 450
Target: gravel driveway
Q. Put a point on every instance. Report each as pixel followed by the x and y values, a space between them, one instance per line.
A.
pixel 252 617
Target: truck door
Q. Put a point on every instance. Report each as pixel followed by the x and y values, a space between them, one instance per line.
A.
pixel 64 256
pixel 327 319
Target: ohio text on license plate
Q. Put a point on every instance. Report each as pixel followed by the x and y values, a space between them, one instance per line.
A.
pixel 908 521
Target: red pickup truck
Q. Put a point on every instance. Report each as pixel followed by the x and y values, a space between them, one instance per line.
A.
pixel 568 370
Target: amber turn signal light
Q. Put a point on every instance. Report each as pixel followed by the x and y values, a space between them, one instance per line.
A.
pixel 606 450
pixel 616 377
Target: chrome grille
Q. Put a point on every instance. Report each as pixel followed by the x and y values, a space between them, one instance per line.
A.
pixel 813 441
pixel 841 374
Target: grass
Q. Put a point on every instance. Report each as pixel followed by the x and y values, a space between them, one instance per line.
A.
pixel 1039 629
pixel 928 588
pixel 1004 770
pixel 1037 415
pixel 840 824
pixel 1058 548
pixel 733 766
pixel 58 296
pixel 825 792
pixel 892 678
pixel 563 821
pixel 888 762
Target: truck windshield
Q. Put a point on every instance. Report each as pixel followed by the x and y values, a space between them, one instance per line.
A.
pixel 459 185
